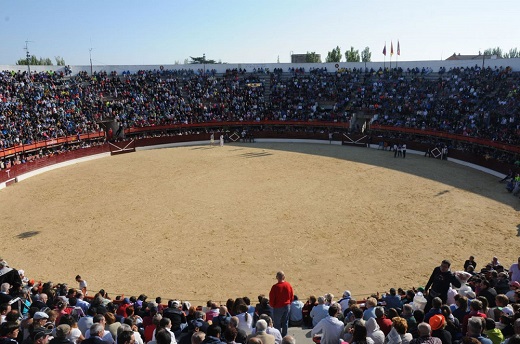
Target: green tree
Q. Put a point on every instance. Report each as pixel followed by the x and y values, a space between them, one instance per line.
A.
pixel 201 60
pixel 312 57
pixel 33 61
pixel 352 55
pixel 60 61
pixel 513 53
pixel 334 55
pixel 366 55
pixel 494 51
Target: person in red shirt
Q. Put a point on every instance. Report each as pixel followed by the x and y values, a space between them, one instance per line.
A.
pixel 280 298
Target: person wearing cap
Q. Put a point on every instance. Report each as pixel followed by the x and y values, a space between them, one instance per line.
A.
pixel 62 332
pixel 513 287
pixel 280 298
pixel 439 283
pixel 39 335
pixel 437 324
pixel 514 271
pixel 296 312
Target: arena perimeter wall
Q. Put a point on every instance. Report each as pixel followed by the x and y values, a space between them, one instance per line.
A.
pixel 249 67
pixel 145 138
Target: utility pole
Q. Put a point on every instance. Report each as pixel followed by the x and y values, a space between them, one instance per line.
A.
pixel 90 55
pixel 27 56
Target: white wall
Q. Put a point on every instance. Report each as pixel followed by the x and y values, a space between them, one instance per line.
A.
pixel 220 68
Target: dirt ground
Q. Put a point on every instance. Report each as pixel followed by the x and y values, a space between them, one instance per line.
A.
pixel 198 223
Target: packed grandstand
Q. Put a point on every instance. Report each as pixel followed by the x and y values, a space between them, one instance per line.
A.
pixel 471 103
pixel 480 304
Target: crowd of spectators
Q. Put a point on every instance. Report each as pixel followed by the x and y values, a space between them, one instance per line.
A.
pixel 482 103
pixel 468 306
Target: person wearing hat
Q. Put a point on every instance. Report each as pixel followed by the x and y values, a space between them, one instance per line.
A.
pixel 62 331
pixel 437 324
pixel 8 274
pixel 39 335
pixel 513 287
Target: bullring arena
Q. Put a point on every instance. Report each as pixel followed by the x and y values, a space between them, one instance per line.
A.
pixel 201 222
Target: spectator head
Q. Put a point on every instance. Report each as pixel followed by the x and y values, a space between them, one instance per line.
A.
pixel 329 298
pixel 407 309
pixel 163 337
pixel 280 276
pixel 233 322
pixel 214 331
pixel 288 340
pixel 400 325
pixel 9 329
pixel 267 319
pixel 334 309
pixel 127 337
pixel 62 331
pixel 514 339
pixel 360 332
pixel 436 302
pixel 198 337
pixel 321 300
pixel 474 326
pixel 380 312
pixel 371 302
pixel 501 300
pixel 261 325
pixel 424 329
pixel 312 299
pixel 475 305
pixel 230 334
pixel 40 335
pixel 357 312
pixel 393 292
pixel 490 324
pixel 97 330
pixel 445 265
pixel 4 287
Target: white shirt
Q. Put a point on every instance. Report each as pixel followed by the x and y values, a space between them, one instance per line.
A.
pixel 107 336
pixel 331 329
pixel 245 324
pixel 515 272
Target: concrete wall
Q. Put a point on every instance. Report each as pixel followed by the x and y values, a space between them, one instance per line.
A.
pixel 220 68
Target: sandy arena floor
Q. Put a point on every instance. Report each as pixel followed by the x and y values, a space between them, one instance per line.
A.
pixel 203 222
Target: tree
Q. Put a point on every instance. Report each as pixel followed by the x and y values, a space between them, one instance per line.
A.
pixel 312 57
pixel 334 55
pixel 366 55
pixel 60 61
pixel 201 60
pixel 494 51
pixel 352 55
pixel 513 53
pixel 33 61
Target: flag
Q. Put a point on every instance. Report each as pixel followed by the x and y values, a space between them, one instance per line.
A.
pixel 398 49
pixel 391 48
pixel 384 50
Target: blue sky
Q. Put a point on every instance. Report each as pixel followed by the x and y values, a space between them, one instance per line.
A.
pixel 242 31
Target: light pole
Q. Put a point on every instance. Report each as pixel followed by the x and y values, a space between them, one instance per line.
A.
pixel 204 64
pixel 90 55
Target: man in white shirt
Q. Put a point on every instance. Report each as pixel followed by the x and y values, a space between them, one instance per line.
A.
pixel 514 272
pixel 331 327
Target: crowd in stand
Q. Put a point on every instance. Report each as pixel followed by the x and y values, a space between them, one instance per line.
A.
pixel 469 306
pixel 476 102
